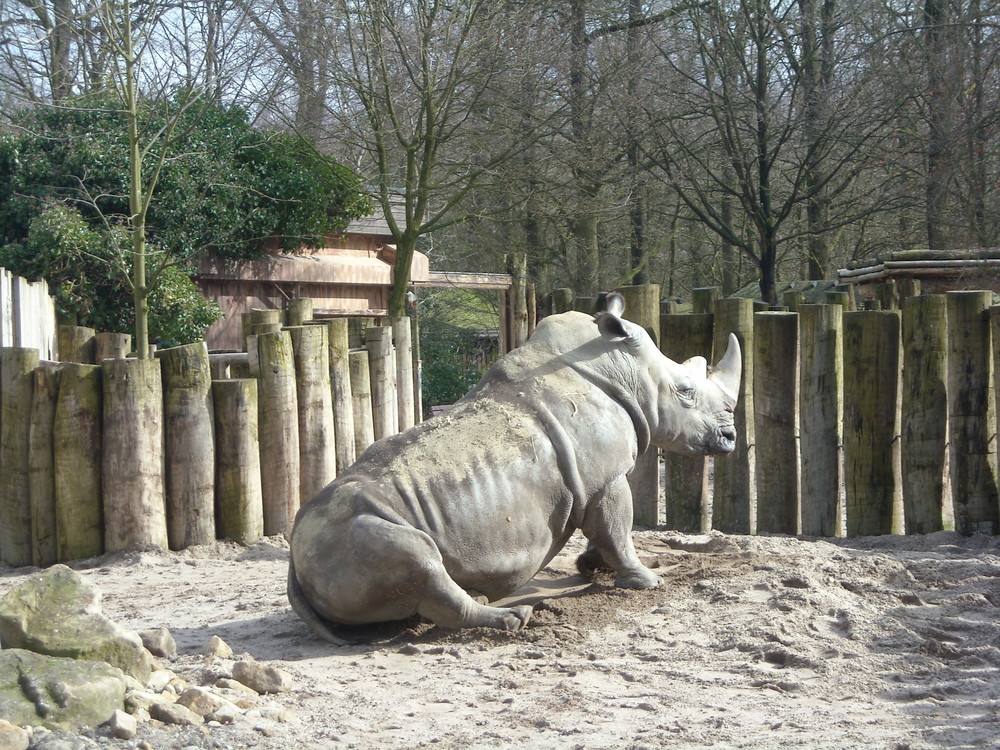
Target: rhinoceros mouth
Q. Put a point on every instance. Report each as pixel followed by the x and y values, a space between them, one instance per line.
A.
pixel 722 441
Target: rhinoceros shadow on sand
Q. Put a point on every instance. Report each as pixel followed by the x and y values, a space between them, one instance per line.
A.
pixel 465 508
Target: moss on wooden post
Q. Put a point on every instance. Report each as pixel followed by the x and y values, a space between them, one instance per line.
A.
pixel 686 505
pixel 972 420
pixel 279 431
pixel 132 461
pixel 821 401
pixel 734 505
pixel 317 440
pixel 17 382
pixel 237 461
pixel 873 485
pixel 77 450
pixel 77 344
pixel 924 422
pixel 190 447
pixel 776 388
pixel 41 467
pixel 299 310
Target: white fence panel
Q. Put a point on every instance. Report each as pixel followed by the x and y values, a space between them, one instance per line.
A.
pixel 27 315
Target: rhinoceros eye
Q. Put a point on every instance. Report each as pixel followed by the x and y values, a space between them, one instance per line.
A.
pixel 686 391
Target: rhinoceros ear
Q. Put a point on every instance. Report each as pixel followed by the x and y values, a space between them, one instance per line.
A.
pixel 728 372
pixel 615 304
pixel 614 328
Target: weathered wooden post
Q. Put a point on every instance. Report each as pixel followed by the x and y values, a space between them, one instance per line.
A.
pixel 972 419
pixel 793 300
pixel 775 395
pixel 111 346
pixel 317 440
pixel 77 344
pixel 41 467
pixel 703 299
pixel 189 445
pixel 821 394
pixel 258 317
pixel 887 293
pixel 299 310
pixel 279 431
pixel 237 461
pixel 378 341
pixel 132 460
pixel 562 300
pixel 340 385
pixel 78 450
pixel 361 395
pixel 642 307
pixel 924 419
pixel 734 505
pixel 17 382
pixel 402 338
pixel 686 506
pixel 872 460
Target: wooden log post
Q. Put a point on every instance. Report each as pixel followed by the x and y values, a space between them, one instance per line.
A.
pixel 41 467
pixel 687 493
pixel 734 497
pixel 317 439
pixel 189 445
pixel 240 510
pixel 111 346
pixel 259 316
pixel 77 344
pixel 361 395
pixel 821 394
pixel 776 390
pixel 278 421
pixel 562 300
pixel 972 420
pixel 132 461
pixel 17 382
pixel 299 310
pixel 642 307
pixel 924 417
pixel 887 293
pixel 703 299
pixel 793 300
pixel 383 394
pixel 340 386
pixel 403 340
pixel 77 438
pixel 872 460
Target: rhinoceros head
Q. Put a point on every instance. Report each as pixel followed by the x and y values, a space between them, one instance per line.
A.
pixel 688 407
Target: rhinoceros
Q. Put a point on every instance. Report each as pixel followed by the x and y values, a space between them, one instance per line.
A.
pixel 468 506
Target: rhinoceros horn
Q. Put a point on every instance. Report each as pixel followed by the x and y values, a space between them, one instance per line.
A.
pixel 727 373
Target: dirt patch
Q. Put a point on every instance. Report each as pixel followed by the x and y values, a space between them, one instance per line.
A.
pixel 756 642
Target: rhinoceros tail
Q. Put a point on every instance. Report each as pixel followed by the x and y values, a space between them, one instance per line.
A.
pixel 306 613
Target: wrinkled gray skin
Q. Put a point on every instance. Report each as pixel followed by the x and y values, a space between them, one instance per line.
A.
pixel 468 506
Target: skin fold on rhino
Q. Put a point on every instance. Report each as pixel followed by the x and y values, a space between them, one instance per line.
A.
pixel 468 506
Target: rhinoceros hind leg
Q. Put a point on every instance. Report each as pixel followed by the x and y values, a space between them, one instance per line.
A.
pixel 446 604
pixel 590 561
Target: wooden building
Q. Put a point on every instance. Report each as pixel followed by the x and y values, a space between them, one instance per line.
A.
pixel 932 272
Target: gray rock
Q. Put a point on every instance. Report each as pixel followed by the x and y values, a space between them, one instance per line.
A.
pixel 13 737
pixel 57 693
pixel 159 642
pixel 217 647
pixel 62 741
pixel 172 713
pixel 58 613
pixel 262 677
pixel 201 701
pixel 122 725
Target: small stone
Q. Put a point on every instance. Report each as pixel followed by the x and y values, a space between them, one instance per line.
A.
pixel 13 737
pixel 262 677
pixel 229 684
pixel 217 647
pixel 141 700
pixel 122 725
pixel 201 701
pixel 159 642
pixel 171 713
pixel 224 714
pixel 159 680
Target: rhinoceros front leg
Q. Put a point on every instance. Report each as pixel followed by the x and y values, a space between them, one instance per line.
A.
pixel 607 524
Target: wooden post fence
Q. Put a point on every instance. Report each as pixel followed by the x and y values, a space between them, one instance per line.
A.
pixel 279 431
pixel 383 393
pixel 237 460
pixel 16 384
pixel 317 440
pixel 361 395
pixel 340 384
pixel 41 467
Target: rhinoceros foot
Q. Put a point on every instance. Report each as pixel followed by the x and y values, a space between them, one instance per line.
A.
pixel 516 617
pixel 641 578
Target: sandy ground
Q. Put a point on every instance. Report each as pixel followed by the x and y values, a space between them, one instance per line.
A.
pixel 752 642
